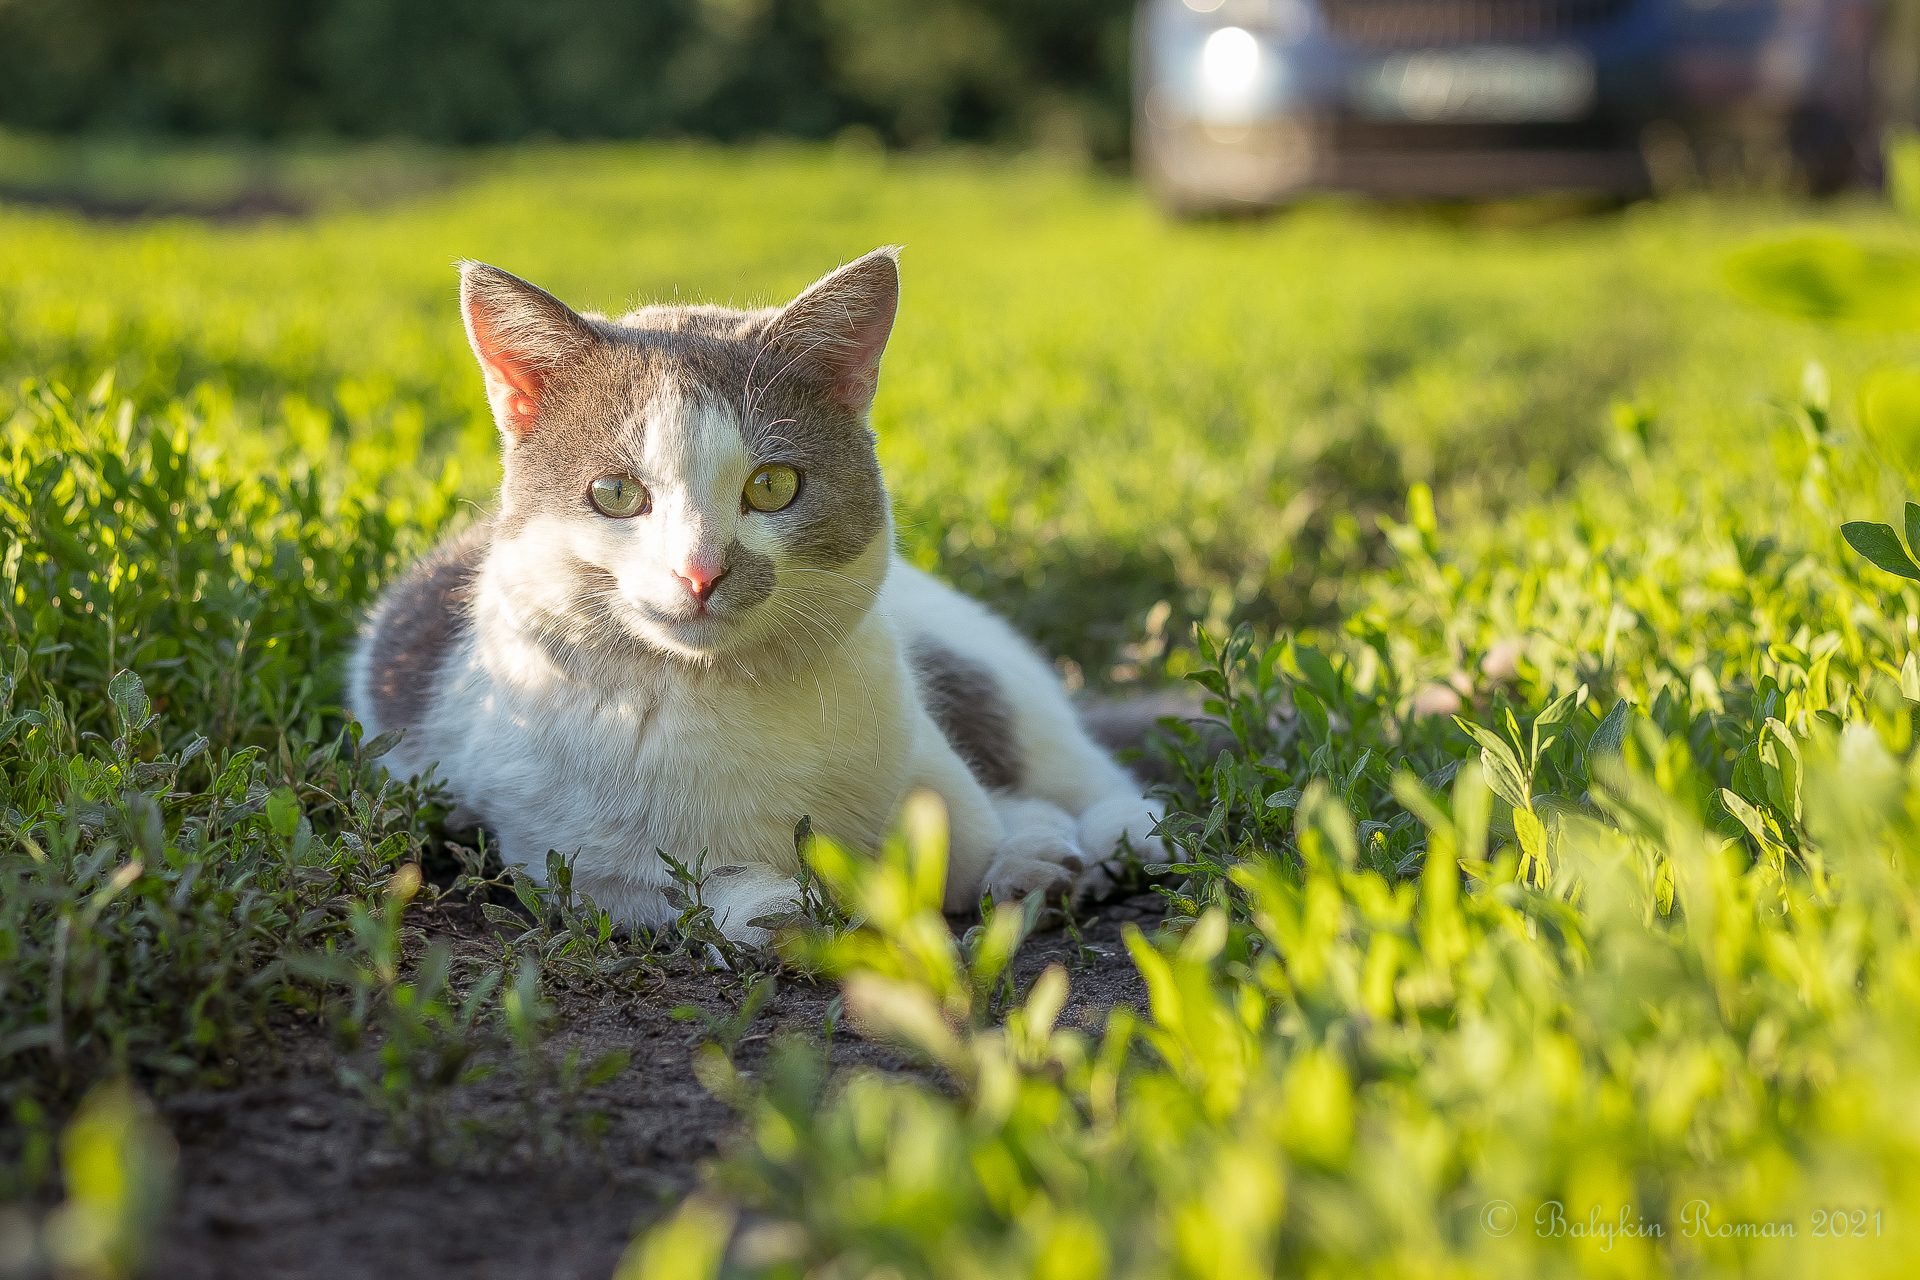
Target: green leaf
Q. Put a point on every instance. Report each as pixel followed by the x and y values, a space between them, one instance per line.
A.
pixel 130 702
pixel 1531 834
pixel 1315 714
pixel 1780 767
pixel 529 895
pixel 1287 799
pixel 1420 509
pixel 1215 820
pixel 1317 671
pixel 382 744
pixel 1750 818
pixel 1558 712
pixel 501 916
pixel 1504 775
pixel 778 921
pixel 1354 774
pixel 1879 543
pixel 1748 779
pixel 1548 724
pixel 283 812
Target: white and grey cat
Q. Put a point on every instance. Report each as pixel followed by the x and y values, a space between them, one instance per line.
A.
pixel 685 626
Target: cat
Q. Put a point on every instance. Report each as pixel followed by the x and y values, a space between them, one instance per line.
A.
pixel 685 625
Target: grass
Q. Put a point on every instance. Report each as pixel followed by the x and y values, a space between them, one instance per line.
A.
pixel 1258 392
pixel 1633 934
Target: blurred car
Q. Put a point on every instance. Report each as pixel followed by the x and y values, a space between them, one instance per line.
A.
pixel 1244 103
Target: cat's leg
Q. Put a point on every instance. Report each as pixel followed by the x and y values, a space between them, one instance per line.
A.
pixel 987 853
pixel 1038 831
pixel 1110 814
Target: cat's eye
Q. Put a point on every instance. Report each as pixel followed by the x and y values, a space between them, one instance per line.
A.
pixel 618 496
pixel 772 487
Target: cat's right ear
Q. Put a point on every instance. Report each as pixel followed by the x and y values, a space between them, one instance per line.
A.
pixel 522 335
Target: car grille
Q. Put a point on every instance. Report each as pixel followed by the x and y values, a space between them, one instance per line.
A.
pixel 1405 23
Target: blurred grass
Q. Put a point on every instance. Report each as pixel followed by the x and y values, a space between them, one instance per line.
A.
pixel 1086 410
pixel 130 176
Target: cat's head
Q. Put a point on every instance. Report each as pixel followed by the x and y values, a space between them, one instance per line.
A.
pixel 693 480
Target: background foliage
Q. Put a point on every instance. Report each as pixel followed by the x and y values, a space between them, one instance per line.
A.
pixel 1053 73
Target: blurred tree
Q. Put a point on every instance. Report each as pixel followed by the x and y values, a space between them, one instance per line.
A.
pixel 1048 72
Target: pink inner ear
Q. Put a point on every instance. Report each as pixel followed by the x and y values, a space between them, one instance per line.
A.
pixel 841 323
pixel 513 382
pixel 862 363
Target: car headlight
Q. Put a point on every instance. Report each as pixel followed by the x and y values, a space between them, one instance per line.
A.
pixel 1226 63
pixel 1230 71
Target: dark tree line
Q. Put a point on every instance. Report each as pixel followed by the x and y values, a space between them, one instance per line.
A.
pixel 1034 71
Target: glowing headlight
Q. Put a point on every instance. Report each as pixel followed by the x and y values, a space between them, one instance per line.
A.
pixel 1232 76
pixel 1230 61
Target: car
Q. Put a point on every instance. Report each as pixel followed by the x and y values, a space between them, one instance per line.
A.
pixel 1243 104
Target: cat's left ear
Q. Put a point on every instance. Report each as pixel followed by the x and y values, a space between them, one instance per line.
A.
pixel 522 335
pixel 839 326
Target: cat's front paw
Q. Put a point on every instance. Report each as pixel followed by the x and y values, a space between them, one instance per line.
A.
pixel 1051 843
pixel 1039 854
pixel 1109 831
pixel 1010 879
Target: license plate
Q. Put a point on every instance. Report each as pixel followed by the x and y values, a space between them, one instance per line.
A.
pixel 1485 85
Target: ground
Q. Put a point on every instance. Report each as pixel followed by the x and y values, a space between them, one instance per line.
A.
pixel 290 1176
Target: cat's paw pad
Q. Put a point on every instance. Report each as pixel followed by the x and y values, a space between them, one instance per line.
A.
pixel 1010 879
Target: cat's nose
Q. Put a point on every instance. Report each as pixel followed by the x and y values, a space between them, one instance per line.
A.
pixel 700 580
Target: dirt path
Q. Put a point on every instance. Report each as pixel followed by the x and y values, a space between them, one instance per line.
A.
pixel 292 1176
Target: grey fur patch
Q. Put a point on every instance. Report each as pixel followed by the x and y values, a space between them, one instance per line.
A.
pixel 965 701
pixel 842 505
pixel 750 578
pixel 420 621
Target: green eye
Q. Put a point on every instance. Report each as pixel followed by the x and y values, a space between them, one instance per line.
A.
pixel 772 487
pixel 618 496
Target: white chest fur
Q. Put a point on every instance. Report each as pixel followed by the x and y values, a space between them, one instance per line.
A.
pixel 653 753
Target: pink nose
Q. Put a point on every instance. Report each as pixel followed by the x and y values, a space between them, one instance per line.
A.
pixel 700 580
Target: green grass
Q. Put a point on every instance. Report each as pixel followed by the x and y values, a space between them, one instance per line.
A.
pixel 1623 949
pixel 1084 410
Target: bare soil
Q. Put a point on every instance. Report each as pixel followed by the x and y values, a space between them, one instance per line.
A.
pixel 293 1176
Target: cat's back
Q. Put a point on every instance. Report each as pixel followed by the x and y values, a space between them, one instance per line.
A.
pixel 420 621
pixel 993 697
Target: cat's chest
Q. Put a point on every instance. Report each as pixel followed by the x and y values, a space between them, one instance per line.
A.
pixel 665 747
